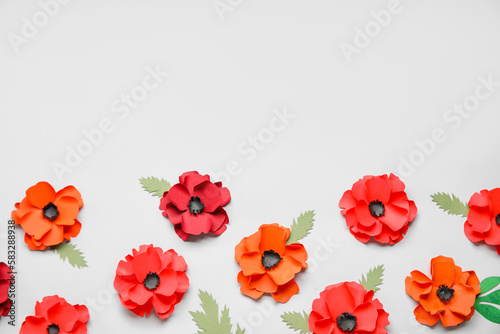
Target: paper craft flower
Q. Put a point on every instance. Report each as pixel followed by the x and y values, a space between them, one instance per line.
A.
pixel 48 217
pixel 449 295
pixel 151 278
pixel 268 264
pixel 347 308
pixel 5 302
pixel 194 205
pixel 378 207
pixel 483 220
pixel 54 315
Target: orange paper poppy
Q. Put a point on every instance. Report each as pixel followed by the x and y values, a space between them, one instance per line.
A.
pixel 268 264
pixel 48 217
pixel 449 295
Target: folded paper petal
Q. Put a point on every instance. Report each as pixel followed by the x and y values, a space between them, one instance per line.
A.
pixel 48 230
pixel 394 211
pixel 140 295
pixel 350 298
pixel 53 310
pixel 209 198
pixel 257 278
pixel 449 296
pixel 483 219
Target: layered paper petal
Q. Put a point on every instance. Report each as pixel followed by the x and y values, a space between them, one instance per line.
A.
pixel 55 311
pixel 378 208
pixel 256 278
pixel 47 217
pixel 206 215
pixel 483 220
pixel 347 299
pixel 151 279
pixel 448 296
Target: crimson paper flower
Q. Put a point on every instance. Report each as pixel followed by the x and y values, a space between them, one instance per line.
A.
pixel 377 206
pixel 483 220
pixel 54 315
pixel 347 308
pixel 151 278
pixel 268 264
pixel 48 217
pixel 5 302
pixel 194 205
pixel 450 294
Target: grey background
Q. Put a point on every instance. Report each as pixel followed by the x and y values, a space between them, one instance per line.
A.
pixel 229 71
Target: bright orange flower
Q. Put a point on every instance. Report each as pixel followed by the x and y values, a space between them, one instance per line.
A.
pixel 449 296
pixel 48 217
pixel 268 264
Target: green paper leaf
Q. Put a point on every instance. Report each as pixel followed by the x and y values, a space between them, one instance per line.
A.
pixel 488 304
pixel 297 321
pixel 301 227
pixel 450 204
pixel 373 278
pixel 208 321
pixel 69 251
pixel 155 186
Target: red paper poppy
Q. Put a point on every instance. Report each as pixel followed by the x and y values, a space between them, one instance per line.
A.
pixel 48 217
pixel 449 295
pixel 483 220
pixel 268 264
pixel 194 205
pixel 5 302
pixel 347 308
pixel 377 206
pixel 151 278
pixel 54 315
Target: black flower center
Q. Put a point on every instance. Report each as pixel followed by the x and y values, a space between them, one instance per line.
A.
pixel 445 293
pixel 151 281
pixel 195 205
pixel 377 209
pixel 498 219
pixel 347 322
pixel 270 259
pixel 50 212
pixel 53 329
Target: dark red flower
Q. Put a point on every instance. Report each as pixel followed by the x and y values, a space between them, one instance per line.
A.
pixel 194 205
pixel 54 315
pixel 347 308
pixel 377 206
pixel 5 302
pixel 151 278
pixel 483 220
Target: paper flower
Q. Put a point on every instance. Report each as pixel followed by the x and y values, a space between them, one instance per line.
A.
pixel 48 217
pixel 194 205
pixel 347 308
pixel 54 315
pixel 151 278
pixel 268 264
pixel 378 207
pixel 5 302
pixel 483 220
pixel 449 295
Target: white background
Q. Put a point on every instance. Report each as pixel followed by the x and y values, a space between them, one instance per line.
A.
pixel 228 72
